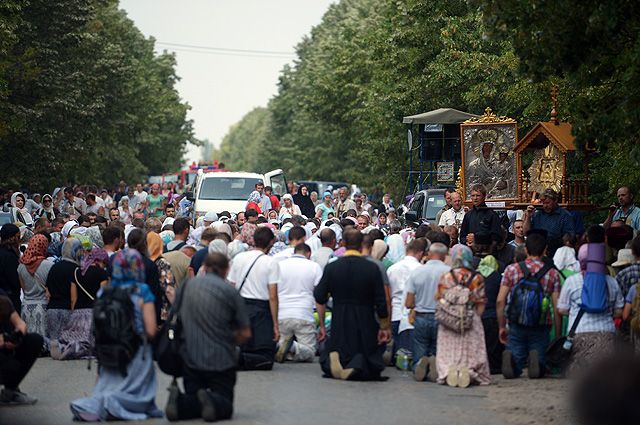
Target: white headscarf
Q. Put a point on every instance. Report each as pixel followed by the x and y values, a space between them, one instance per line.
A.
pixel 66 229
pixel 26 217
pixel 396 248
pixel 309 228
pixel 565 258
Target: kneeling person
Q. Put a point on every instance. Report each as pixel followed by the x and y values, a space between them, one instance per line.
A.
pixel 214 320
pixel 298 278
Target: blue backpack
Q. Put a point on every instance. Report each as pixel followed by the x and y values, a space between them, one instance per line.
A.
pixel 595 293
pixel 526 305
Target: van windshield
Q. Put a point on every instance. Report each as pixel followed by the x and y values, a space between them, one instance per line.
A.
pixel 227 188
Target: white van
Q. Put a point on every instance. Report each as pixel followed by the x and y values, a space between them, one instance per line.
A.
pixel 229 191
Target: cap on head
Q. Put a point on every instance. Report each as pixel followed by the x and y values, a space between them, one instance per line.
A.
pixel 551 194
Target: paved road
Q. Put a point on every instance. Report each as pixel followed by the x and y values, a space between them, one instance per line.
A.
pixel 297 394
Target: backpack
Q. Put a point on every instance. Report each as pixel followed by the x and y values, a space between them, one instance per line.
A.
pixel 454 309
pixel 526 305
pixel 116 339
pixel 595 293
pixel 635 310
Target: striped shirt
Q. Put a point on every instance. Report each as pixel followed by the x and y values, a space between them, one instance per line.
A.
pixel 210 313
pixel 571 298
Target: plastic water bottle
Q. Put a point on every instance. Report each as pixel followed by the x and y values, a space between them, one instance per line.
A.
pixel 568 343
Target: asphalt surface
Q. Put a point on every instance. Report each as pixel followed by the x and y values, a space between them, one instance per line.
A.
pixel 297 394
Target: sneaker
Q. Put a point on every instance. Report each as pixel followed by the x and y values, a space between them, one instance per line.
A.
pixel 171 409
pixel 507 365
pixel 16 397
pixel 432 376
pixel 284 349
pixel 208 408
pixel 534 365
pixel 420 371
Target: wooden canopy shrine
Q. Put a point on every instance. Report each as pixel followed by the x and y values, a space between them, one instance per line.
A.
pixel 550 143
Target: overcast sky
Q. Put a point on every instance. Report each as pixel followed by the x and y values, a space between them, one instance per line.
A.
pixel 222 88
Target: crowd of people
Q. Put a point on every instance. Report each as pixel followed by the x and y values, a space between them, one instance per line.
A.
pixel 473 294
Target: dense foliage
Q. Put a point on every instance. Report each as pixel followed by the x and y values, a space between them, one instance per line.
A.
pixel 338 111
pixel 83 96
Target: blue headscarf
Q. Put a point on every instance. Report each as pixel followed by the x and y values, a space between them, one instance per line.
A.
pixel 461 256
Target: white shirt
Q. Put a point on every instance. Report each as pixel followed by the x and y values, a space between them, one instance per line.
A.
pixel 284 254
pixel 298 278
pixel 265 272
pixel 398 276
pixel 452 218
pixel 142 196
pixel 571 298
pixel 322 256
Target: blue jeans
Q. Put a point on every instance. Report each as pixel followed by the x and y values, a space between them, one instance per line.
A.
pixel 402 340
pixel 425 337
pixel 523 339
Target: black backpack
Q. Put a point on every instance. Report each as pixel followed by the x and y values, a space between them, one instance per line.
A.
pixel 116 339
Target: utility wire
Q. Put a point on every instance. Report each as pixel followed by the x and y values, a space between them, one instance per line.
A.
pixel 223 50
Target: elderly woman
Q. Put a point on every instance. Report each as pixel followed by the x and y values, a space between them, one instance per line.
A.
pixel 131 396
pixel 289 207
pixel 325 208
pixel 461 357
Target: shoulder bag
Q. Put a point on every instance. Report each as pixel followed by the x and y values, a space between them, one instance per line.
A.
pixel 559 351
pixel 166 350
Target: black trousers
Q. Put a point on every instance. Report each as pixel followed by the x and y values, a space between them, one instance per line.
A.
pixel 494 346
pixel 15 364
pixel 220 384
pixel 258 353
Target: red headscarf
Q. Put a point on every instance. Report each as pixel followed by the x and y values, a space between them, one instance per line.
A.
pixel 35 253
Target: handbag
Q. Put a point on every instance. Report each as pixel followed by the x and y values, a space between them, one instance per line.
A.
pixel 559 351
pixel 166 350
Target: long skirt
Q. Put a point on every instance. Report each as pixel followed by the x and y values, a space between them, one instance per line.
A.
pixel 56 321
pixel 466 349
pixel 34 314
pixel 589 347
pixel 76 339
pixel 130 397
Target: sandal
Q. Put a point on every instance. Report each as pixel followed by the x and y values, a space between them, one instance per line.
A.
pixel 464 378
pixel 452 376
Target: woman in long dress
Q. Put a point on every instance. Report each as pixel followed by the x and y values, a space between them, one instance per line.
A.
pixel 33 272
pixel 461 358
pixel 130 397
pixel 62 291
pixel 76 338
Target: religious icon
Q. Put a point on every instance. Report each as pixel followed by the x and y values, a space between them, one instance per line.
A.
pixel 488 144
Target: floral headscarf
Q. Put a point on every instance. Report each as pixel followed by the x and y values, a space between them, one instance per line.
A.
pixel 35 253
pixel 488 265
pixel 94 235
pixel 154 245
pixel 255 197
pixel 92 258
pixel 461 256
pixel 127 267
pixel 72 250
pixel 248 229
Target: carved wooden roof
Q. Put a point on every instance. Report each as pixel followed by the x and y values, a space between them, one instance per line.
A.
pixel 558 134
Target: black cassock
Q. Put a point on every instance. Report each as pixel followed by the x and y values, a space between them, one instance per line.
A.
pixel 356 286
